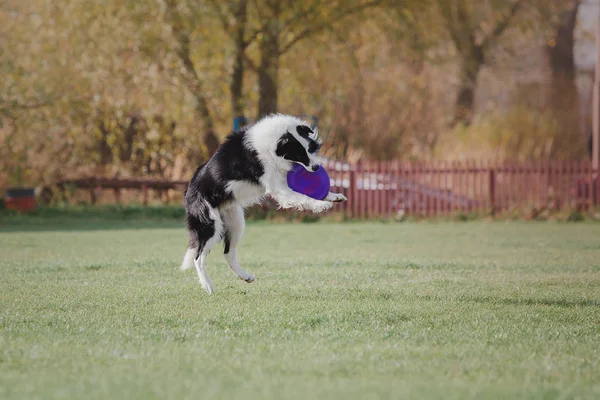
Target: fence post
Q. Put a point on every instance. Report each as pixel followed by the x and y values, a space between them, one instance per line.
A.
pixel 96 192
pixel 492 191
pixel 144 194
pixel 117 193
pixel 350 193
pixel 354 176
pixel 595 188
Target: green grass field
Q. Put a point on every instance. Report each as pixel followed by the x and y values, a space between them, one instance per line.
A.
pixel 99 310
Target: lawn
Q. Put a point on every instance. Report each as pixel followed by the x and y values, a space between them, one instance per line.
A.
pixel 94 310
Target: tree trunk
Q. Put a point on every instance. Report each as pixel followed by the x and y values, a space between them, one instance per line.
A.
pixel 130 133
pixel 564 97
pixel 268 70
pixel 211 141
pixel 204 112
pixel 192 79
pixel 465 101
pixel 562 58
pixel 103 147
pixel 237 76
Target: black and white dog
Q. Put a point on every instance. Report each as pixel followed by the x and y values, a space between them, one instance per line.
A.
pixel 251 164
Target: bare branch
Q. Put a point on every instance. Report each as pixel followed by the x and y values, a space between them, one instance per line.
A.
pixel 252 38
pixel 227 27
pixel 22 106
pixel 458 25
pixel 294 18
pixel 320 26
pixel 192 80
pixel 261 16
pixel 250 63
pixel 222 16
pixel 502 24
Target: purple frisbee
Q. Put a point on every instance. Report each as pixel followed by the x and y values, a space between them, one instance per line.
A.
pixel 312 184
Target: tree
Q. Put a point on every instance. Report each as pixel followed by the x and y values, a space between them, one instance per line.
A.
pixel 183 42
pixel 564 97
pixel 280 25
pixel 561 46
pixel 475 29
pixel 234 20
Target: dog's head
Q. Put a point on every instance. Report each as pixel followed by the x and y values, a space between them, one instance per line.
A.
pixel 300 144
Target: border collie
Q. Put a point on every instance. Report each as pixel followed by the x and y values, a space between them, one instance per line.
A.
pixel 250 164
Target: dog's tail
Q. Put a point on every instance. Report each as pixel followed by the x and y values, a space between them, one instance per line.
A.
pixel 188 259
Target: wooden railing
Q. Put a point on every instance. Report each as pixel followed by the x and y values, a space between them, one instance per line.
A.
pixel 392 189
pixel 388 189
pixel 96 185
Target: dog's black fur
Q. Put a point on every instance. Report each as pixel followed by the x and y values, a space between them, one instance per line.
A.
pixel 232 161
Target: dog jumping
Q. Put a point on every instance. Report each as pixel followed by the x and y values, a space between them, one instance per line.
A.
pixel 250 164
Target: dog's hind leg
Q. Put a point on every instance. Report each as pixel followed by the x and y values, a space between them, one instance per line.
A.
pixel 205 232
pixel 188 259
pixel 233 221
pixel 200 263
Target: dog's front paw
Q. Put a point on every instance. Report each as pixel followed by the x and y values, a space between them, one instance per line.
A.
pixel 248 278
pixel 336 197
pixel 321 206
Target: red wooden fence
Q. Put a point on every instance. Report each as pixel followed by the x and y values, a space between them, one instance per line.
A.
pixel 389 189
pixel 393 189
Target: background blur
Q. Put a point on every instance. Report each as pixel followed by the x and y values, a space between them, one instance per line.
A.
pixel 148 88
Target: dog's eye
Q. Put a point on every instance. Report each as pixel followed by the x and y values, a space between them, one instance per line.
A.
pixel 313 147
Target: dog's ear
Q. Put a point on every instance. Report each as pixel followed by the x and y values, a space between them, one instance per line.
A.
pixel 316 135
pixel 304 131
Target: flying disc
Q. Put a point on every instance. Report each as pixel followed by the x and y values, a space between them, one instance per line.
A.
pixel 312 184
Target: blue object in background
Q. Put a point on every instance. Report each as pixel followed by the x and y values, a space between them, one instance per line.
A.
pixel 314 122
pixel 239 122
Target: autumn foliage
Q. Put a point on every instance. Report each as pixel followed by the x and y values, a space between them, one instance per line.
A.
pixel 149 88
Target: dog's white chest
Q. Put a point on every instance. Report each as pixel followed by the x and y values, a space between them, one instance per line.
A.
pixel 246 193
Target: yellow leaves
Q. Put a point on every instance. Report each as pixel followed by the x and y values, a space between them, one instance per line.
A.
pixel 419 81
pixel 522 133
pixel 371 78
